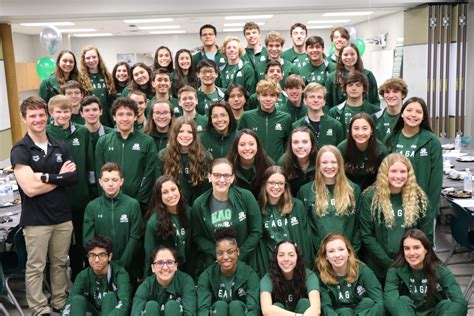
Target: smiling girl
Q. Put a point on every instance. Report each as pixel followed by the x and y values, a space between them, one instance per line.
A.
pixel 163 59
pixel 184 73
pixel 141 80
pixel 159 126
pixel 121 75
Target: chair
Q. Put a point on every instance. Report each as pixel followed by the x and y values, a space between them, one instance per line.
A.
pixel 13 265
pixel 462 235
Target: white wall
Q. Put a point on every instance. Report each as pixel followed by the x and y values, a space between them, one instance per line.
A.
pixel 469 121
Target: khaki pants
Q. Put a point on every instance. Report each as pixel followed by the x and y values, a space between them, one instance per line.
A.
pixel 42 241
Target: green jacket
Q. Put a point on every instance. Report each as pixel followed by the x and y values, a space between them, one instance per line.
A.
pixel 344 113
pixel 252 58
pixel 384 123
pixel 99 133
pixel 361 176
pixel 299 60
pixel 219 58
pixel 77 139
pixel 177 112
pixel 427 161
pixel 181 289
pixel 335 95
pixel 245 288
pixel 287 69
pixel 136 155
pixel 319 74
pixel 330 130
pixel 99 89
pixel 160 139
pixel 253 102
pixel 240 73
pixel 349 295
pixel 93 288
pixel 381 242
pixel 273 129
pixel 402 281
pixel 303 177
pixel 277 227
pixel 331 222
pixel 49 88
pixel 205 100
pixel 295 112
pixel 217 144
pixel 154 239
pixel 246 221
pixel 118 218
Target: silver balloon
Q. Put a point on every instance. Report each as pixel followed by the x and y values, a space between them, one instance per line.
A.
pixel 352 33
pixel 50 39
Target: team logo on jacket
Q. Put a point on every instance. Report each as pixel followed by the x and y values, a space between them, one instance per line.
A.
pixel 423 152
pixel 242 216
pixel 360 290
pixel 124 218
pixel 294 221
pixel 329 132
pixel 75 142
pixel 35 158
pixel 278 127
pixel 136 146
pixel 239 74
pixel 59 157
pixel 241 292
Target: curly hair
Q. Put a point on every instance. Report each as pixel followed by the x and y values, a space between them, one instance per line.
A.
pixel 285 203
pixel 359 65
pixel 84 77
pixel 164 223
pixel 227 40
pixel 197 154
pixel 326 271
pixel 59 73
pixel 279 282
pixel 192 78
pixel 147 88
pixel 414 200
pixel 291 165
pixel 343 191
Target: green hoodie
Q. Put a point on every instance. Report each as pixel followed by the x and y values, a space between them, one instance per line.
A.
pixel 331 222
pixel 161 139
pixel 330 130
pixel 295 112
pixel 253 102
pixel 318 74
pixel 344 113
pixel 181 289
pixel 49 88
pixel 240 73
pixel 272 129
pixel 136 155
pixel 427 161
pixel 352 296
pixel 99 89
pixel 335 95
pixel 99 133
pixel 382 242
pixel 252 58
pixel 246 221
pixel 205 100
pixel 384 123
pixel 118 218
pixel 287 69
pixel 217 144
pixel 405 293
pixel 93 288
pixel 303 177
pixel 245 288
pixel 219 58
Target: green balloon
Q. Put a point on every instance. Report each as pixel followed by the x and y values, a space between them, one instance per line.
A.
pixel 44 67
pixel 360 46
pixel 331 49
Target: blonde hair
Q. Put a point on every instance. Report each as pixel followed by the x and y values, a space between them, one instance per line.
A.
pixel 239 44
pixel 59 101
pixel 326 271
pixel 413 198
pixel 84 74
pixel 314 87
pixel 274 37
pixel 186 89
pixel 268 86
pixel 343 191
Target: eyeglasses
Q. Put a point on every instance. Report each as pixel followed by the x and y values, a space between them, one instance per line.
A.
pixel 217 116
pixel 274 184
pixel 102 256
pixel 228 253
pixel 217 176
pixel 160 263
pixel 164 113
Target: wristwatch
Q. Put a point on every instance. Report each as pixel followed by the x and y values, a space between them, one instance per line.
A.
pixel 44 178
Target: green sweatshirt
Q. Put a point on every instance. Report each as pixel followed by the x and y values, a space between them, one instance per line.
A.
pixel 361 175
pixel 344 113
pixel 335 95
pixel 240 73
pixel 331 222
pixel 219 58
pixel 217 144
pixel 205 100
pixel 302 177
pixel 99 89
pixel 330 130
pixel 244 288
pixel 312 284
pixel 118 218
pixel 350 295
pixel 384 123
pixel 424 152
pixel 295 112
pixel 253 102
pixel 181 289
pixel 318 74
pixel 299 60
pixel 272 129
pixel 382 242
pixel 99 133
pixel 287 69
pixel 177 112
pixel 78 119
pixel 77 139
pixel 94 288
pixel 245 218
pixel 49 88
pixel 412 284
pixel 278 227
pixel 136 155
pixel 160 139
pixel 154 239
pixel 252 58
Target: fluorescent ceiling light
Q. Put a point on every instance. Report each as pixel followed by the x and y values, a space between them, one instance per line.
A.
pixel 232 30
pixel 168 32
pixel 93 34
pixel 327 21
pixel 48 24
pixel 348 13
pixel 159 27
pixel 248 17
pixel 76 30
pixel 241 24
pixel 137 21
pixel 313 27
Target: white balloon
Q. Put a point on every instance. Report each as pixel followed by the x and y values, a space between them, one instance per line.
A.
pixel 352 33
pixel 50 39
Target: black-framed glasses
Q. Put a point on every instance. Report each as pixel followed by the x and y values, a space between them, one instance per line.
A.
pixel 217 176
pixel 102 256
pixel 161 263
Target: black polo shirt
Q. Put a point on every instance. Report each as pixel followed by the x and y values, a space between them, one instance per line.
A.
pixel 52 207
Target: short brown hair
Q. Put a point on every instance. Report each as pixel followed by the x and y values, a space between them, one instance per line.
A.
pixel 294 81
pixel 109 167
pixel 125 102
pixel 342 30
pixel 33 103
pixel 72 84
pixel 186 89
pixel 59 101
pixel 294 26
pixel 274 37
pixel 396 84
pixel 356 76
pixel 251 26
